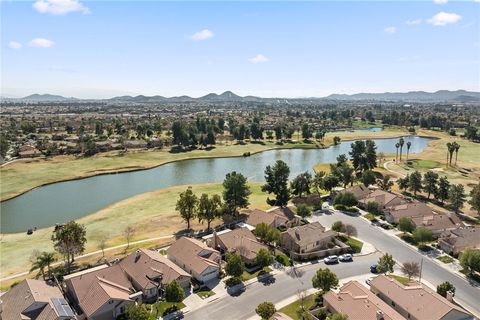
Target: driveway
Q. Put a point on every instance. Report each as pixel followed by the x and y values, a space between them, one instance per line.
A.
pixel 287 284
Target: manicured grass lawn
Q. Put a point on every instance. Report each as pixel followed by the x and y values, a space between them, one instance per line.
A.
pixel 205 293
pixel 424 164
pixel 445 259
pixel 370 216
pixel 151 214
pixel 247 276
pixel 291 309
pixel 402 280
pixel 160 307
pixel 355 244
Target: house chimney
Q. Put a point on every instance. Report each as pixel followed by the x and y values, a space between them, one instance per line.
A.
pixel 137 254
pixel 450 295
pixel 297 234
pixel 379 315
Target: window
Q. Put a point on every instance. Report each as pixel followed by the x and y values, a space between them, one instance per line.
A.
pixel 393 304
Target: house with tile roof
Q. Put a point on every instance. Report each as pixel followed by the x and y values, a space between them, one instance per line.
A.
pixel 101 293
pixel 150 272
pixel 416 301
pixel 438 223
pixel 196 258
pixel 383 198
pixel 241 241
pixel 360 191
pixel 34 300
pixel 359 303
pixel 270 218
pixel 407 210
pixel 456 240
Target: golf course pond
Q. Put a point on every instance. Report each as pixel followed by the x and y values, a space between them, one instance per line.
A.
pixel 64 201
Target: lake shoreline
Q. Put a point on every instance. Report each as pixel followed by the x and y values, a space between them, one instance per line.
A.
pixel 130 169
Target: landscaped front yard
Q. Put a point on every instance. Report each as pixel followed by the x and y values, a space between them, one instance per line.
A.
pixel 247 275
pixel 402 280
pixel 291 309
pixel 205 292
pixel 445 259
pixel 159 308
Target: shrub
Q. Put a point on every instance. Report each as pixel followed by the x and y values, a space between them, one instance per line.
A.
pixel 283 259
pixel 373 208
pixel 174 292
pixel 352 209
pixel 444 287
pixel 265 310
pixel 303 210
pixel 230 282
pixel 338 226
pixel 340 207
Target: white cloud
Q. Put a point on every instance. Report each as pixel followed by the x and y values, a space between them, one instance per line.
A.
pixel 440 1
pixel 14 45
pixel 390 29
pixel 444 18
pixel 41 43
pixel 259 58
pixel 202 35
pixel 413 22
pixel 60 7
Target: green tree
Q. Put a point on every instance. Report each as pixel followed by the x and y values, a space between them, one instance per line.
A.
pixel 174 292
pixel 445 287
pixel 306 131
pixel 4 145
pixel 347 199
pixel 357 155
pixel 403 183
pixel 430 181
pixel 373 208
pixel 475 198
pixel 401 142
pixel 406 224
pixel 318 181
pixel 324 280
pixel 385 263
pixel 368 177
pixel 42 261
pixel 137 312
pixel 301 184
pixel 443 188
pixel 409 144
pixel 234 266
pixel 265 310
pixel 456 147
pixel 422 235
pixel 209 208
pixel 336 140
pixel 187 205
pixel 69 240
pixel 267 233
pixel 338 226
pixel 344 173
pixel 263 258
pixel 180 133
pixel 415 182
pixel 276 178
pixel 370 154
pixel 235 192
pixel 470 260
pixel 303 210
pixel 385 183
pixel 329 182
pixel 456 197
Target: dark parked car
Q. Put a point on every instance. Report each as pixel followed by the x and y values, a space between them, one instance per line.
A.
pixel 373 268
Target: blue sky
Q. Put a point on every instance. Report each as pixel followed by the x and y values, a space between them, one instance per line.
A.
pixel 284 49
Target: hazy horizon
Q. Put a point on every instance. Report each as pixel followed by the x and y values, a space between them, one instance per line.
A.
pixel 91 49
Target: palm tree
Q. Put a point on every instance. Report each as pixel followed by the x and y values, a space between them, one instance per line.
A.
pixel 451 150
pixel 45 259
pixel 456 146
pixel 401 142
pixel 409 144
pixel 396 154
pixel 449 146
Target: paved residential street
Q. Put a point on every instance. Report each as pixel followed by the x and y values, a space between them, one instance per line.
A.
pixel 285 286
pixel 466 293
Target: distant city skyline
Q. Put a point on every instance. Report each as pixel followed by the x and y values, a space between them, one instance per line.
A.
pixel 90 49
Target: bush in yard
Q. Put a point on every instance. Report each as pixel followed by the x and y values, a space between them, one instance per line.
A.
pixel 373 208
pixel 265 310
pixel 303 210
pixel 283 259
pixel 263 258
pixel 422 235
pixel 338 226
pixel 406 224
pixel 230 282
pixel 352 209
pixel 137 312
pixel 347 199
pixel 340 207
pixel 444 287
pixel 174 292
pixel 235 265
pixel 470 260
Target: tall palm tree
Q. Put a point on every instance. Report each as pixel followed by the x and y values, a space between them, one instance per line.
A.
pixel 409 144
pixel 451 150
pixel 44 260
pixel 401 142
pixel 397 145
pixel 456 146
pixel 449 146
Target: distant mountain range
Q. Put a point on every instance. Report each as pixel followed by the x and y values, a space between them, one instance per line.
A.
pixel 458 96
